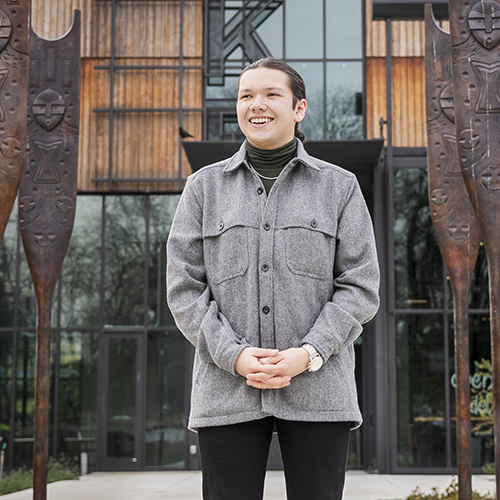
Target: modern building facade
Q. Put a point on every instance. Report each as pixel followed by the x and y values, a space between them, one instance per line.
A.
pixel 153 70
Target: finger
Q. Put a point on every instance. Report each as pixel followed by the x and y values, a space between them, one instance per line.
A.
pixel 272 383
pixel 271 360
pixel 268 371
pixel 263 353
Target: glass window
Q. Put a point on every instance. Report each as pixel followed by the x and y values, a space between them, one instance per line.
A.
pixel 125 258
pixel 417 258
pixel 165 419
pixel 8 261
pixel 81 273
pixel 77 412
pixel 420 391
pixel 271 33
pixel 304 29
pixel 312 73
pixel 343 34
pixel 5 386
pixel 481 383
pixel 479 289
pixel 344 87
pixel 25 399
pixel 162 210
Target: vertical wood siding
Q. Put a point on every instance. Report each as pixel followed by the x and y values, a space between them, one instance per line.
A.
pixel 408 100
pixel 145 144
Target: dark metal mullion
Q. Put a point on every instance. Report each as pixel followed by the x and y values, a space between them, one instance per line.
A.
pixel 57 366
pixel 103 264
pixel 391 301
pixel 364 64
pixel 325 93
pixel 15 344
pixel 142 110
pixel 180 116
pixel 146 262
pixel 284 32
pixel 136 179
pixel 111 94
pixel 142 353
pixel 206 54
pixel 148 66
pixel 446 353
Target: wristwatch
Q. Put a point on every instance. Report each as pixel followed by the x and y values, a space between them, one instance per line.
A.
pixel 315 359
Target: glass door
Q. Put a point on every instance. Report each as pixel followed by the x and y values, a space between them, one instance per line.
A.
pixel 121 426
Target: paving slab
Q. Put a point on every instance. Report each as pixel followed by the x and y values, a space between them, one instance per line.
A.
pixel 186 485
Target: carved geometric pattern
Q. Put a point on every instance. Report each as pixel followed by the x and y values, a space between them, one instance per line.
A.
pixel 11 147
pixel 3 77
pixel 484 23
pixel 46 153
pixel 488 75
pixel 49 108
pixel 452 168
pixel 5 29
pixel 44 236
pixel 446 102
pixel 469 139
pixel 459 229
pixel 490 177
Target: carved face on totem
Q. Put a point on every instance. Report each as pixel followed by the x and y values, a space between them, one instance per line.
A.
pixel 5 30
pixel 49 108
pixel 484 23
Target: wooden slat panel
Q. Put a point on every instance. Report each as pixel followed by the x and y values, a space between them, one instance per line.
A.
pixel 145 145
pixel 376 102
pixel 143 29
pixel 408 102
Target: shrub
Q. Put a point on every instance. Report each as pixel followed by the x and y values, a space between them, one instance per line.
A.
pixel 22 479
pixel 451 493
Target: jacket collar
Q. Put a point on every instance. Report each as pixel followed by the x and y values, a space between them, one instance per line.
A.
pixel 239 159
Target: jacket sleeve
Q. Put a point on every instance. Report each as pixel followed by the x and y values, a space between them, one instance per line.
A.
pixel 189 297
pixel 355 298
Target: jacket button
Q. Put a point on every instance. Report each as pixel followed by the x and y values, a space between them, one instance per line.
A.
pixel 265 268
pixel 314 223
pixel 221 226
pixel 265 310
pixel 260 190
pixel 267 226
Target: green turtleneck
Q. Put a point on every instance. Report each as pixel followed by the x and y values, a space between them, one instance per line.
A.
pixel 270 162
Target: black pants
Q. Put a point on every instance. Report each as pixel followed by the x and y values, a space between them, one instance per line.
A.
pixel 234 458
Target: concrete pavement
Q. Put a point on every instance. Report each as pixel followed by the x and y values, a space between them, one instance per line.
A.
pixel 186 485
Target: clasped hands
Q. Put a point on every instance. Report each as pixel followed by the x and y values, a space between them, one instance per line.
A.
pixel 271 368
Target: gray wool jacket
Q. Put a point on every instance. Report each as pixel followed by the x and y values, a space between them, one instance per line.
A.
pixel 245 269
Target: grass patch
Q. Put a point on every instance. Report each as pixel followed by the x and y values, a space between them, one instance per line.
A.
pixel 22 479
pixel 451 493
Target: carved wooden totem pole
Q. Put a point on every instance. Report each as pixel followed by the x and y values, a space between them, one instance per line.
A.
pixel 47 200
pixel 14 65
pixel 475 36
pixel 456 227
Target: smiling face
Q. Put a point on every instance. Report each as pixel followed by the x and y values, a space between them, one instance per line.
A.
pixel 266 114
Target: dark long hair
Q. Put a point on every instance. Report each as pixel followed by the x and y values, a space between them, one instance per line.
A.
pixel 295 82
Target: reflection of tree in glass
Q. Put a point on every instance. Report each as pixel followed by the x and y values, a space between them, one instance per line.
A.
pixel 417 257
pixel 161 214
pixel 342 123
pixel 125 259
pixel 81 271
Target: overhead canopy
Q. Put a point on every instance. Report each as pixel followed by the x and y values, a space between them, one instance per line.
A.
pixel 407 9
pixel 358 156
